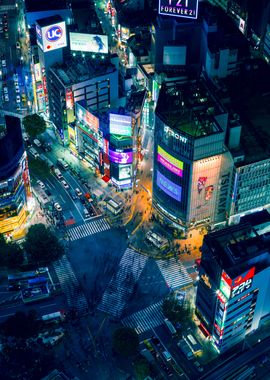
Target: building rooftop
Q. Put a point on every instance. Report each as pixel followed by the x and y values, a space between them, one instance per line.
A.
pixel 37 6
pixel 236 247
pixel 49 20
pixel 189 107
pixel 76 70
pixel 135 101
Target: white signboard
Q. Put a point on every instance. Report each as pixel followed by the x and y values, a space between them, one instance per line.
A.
pixel 92 43
pixel 52 37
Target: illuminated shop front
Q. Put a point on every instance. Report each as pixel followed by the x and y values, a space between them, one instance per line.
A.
pixel 15 190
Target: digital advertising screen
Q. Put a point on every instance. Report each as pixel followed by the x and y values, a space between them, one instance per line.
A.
pixel 83 115
pixel 242 282
pixel 171 163
pixel 179 8
pixel 52 37
pixel 125 171
pixel 174 55
pixel 92 43
pixel 124 157
pixel 120 125
pixel 170 188
pixel 224 286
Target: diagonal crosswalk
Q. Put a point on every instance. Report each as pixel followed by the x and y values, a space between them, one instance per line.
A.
pixel 145 319
pixel 88 229
pixel 174 273
pixel 122 284
pixel 70 285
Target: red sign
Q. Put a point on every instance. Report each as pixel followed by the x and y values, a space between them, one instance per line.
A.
pixel 69 99
pixel 92 121
pixel 243 278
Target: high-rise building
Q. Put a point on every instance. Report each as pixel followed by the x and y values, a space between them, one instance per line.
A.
pixel 93 80
pixel 15 190
pixel 232 296
pixel 192 167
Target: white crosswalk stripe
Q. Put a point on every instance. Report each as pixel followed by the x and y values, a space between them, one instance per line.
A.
pixel 88 229
pixel 122 284
pixel 174 273
pixel 145 319
pixel 70 285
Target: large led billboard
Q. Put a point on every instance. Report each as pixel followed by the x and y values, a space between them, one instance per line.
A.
pixel 169 187
pixel 174 55
pixel 120 125
pixel 231 288
pixel 52 37
pixel 123 157
pixel 125 171
pixel 83 115
pixel 92 43
pixel 171 163
pixel 179 8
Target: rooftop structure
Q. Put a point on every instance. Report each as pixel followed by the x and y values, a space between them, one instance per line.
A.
pixel 189 108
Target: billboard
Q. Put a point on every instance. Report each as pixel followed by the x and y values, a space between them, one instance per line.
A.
pixel 125 171
pixel 242 282
pixel 171 163
pixel 123 157
pixel 179 8
pixel 92 43
pixel 174 55
pixel 87 117
pixel 52 37
pixel 120 125
pixel 169 187
pixel 69 98
pixel 37 71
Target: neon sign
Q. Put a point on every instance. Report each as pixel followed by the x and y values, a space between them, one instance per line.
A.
pixel 175 135
pixel 179 8
pixel 174 191
pixel 242 283
pixel 170 162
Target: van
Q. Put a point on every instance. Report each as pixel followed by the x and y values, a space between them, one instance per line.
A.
pixel 25 137
pixel 86 213
pixel 34 152
pixel 37 142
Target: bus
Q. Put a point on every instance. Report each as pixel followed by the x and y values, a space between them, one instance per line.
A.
pixel 53 318
pixel 170 326
pixel 157 240
pixel 114 207
pixel 193 344
pixel 17 280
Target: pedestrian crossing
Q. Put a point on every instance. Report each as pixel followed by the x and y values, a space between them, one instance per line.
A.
pixel 122 284
pixel 70 285
pixel 88 229
pixel 145 319
pixel 174 273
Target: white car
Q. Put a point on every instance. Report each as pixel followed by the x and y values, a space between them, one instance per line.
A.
pixel 18 99
pixel 78 192
pixel 57 207
pixel 66 186
pixel 4 63
pixel 6 97
pixel 17 89
pixel 5 90
pixel 41 184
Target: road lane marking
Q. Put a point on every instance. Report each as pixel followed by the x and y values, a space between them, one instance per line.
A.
pixel 51 304
pixel 6 315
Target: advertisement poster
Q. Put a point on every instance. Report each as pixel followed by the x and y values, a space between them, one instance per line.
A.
pixel 120 125
pixel 169 162
pixel 170 188
pixel 179 8
pixel 92 43
pixel 125 171
pixel 121 157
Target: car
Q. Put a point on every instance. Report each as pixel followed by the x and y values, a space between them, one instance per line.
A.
pixel 198 366
pixel 48 192
pixel 15 77
pixel 78 191
pixel 17 89
pixel 41 184
pixel 66 185
pixel 18 45
pixel 5 90
pixel 18 99
pixel 6 97
pixel 57 207
pixel 73 195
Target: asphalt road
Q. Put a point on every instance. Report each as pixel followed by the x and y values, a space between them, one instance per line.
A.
pixel 237 361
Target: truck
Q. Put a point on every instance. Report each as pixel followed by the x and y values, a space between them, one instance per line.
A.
pixel 37 143
pixel 62 163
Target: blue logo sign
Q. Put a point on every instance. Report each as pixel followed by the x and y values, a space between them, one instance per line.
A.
pixel 54 33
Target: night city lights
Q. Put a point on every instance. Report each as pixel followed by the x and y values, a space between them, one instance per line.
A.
pixel 134 189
